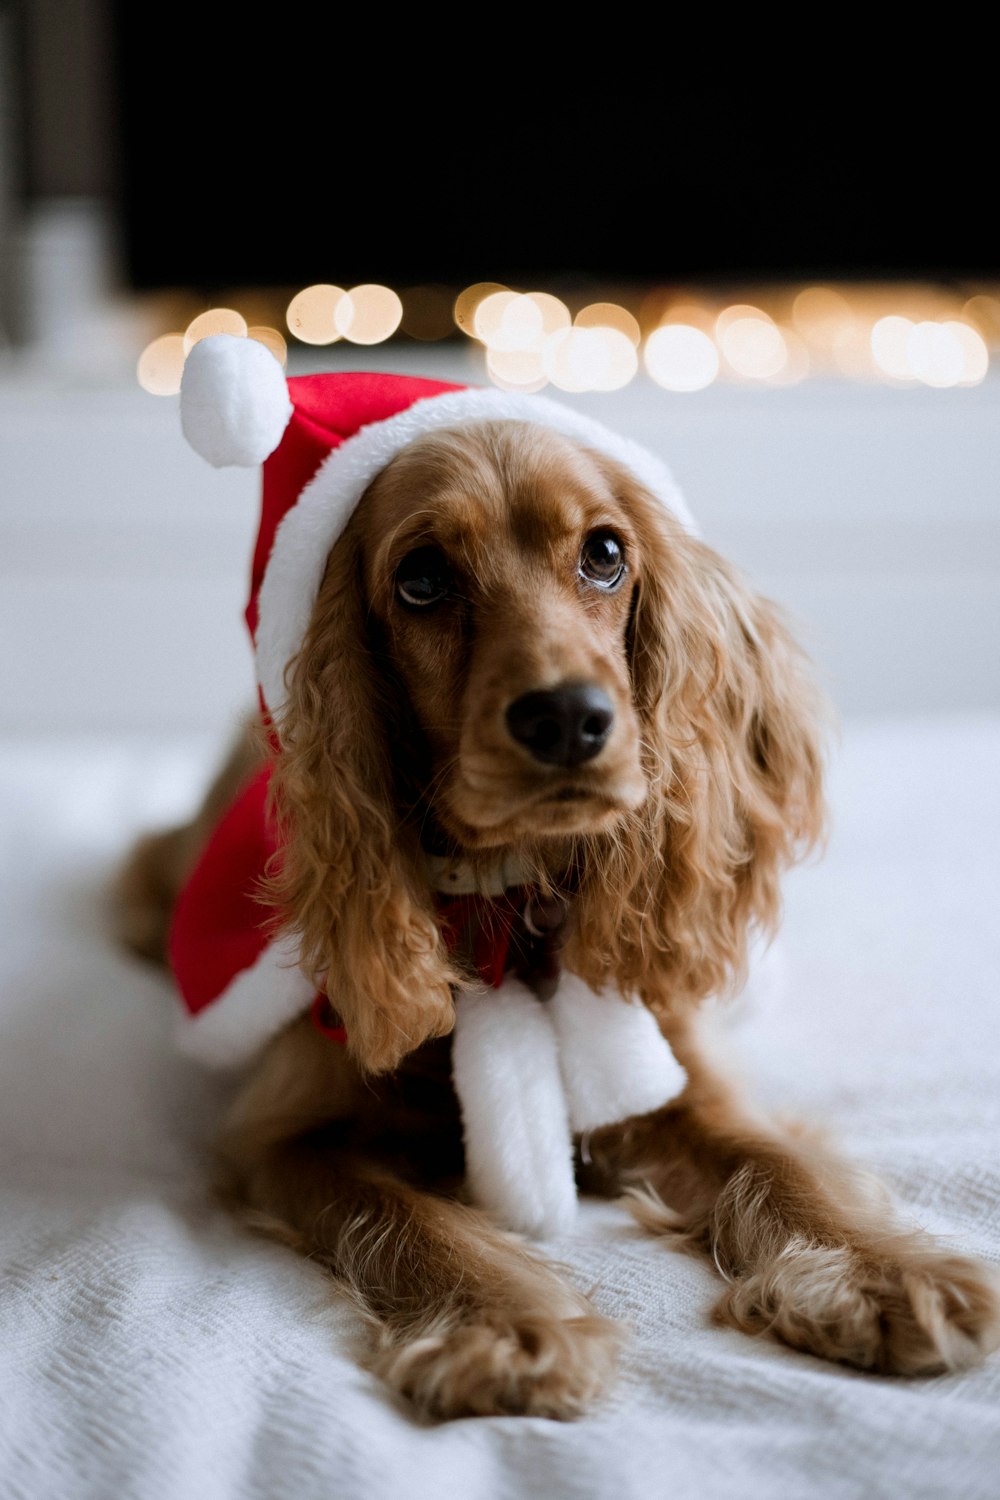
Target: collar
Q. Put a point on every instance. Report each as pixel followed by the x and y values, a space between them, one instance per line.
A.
pixel 465 877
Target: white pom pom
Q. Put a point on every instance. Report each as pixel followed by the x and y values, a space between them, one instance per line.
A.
pixel 234 401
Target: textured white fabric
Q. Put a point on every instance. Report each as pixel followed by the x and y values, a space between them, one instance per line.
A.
pixel 303 540
pixel 149 1349
pixel 234 401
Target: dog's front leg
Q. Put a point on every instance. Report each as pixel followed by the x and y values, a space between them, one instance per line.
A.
pixel 809 1245
pixel 469 1322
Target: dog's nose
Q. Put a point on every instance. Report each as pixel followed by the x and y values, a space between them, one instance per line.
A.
pixel 564 725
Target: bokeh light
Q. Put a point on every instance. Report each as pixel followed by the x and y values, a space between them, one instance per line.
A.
pixel 467 302
pixel 161 365
pixel 820 315
pixel 271 339
pixel 610 315
pixel 554 312
pixel 517 370
pixel 752 344
pixel 215 320
pixel 508 322
pixel 983 312
pixel 680 357
pixel 590 359
pixel 889 346
pixel 934 354
pixel 311 313
pixel 975 355
pixel 368 314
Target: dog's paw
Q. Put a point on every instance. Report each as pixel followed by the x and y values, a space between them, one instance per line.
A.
pixel 504 1364
pixel 904 1309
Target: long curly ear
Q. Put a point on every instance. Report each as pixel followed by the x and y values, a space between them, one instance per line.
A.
pixel 349 881
pixel 732 727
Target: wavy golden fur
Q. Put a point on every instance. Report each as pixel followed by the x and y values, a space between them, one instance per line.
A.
pixel 668 846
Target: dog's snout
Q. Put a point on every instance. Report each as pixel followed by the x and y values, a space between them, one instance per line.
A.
pixel 564 725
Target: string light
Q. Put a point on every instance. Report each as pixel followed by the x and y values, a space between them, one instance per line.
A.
pixel 906 334
pixel 311 313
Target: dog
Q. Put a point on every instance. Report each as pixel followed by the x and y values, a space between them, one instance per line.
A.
pixel 517 653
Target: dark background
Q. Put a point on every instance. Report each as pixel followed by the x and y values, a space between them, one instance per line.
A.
pixel 267 147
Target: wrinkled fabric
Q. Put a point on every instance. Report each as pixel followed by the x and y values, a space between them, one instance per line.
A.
pixel 149 1348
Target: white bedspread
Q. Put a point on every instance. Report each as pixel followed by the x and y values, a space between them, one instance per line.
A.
pixel 148 1348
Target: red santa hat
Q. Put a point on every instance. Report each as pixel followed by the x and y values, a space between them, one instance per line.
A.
pixel 322 439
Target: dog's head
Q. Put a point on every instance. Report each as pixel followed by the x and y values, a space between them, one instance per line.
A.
pixel 517 649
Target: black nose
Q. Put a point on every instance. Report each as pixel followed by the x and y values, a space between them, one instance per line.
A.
pixel 563 726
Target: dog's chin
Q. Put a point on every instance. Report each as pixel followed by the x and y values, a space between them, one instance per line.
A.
pixel 558 812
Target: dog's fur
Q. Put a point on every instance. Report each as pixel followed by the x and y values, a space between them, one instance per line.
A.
pixel 668 845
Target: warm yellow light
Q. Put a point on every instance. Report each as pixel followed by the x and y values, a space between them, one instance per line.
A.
pixel 554 313
pixel 975 355
pixel 311 312
pixel 488 316
pixel 161 365
pixel 851 350
pixel 271 339
pixel 735 314
pixel 610 315
pixel 517 370
pixel 368 314
pixel 509 322
pixel 216 320
pixel 691 314
pixel 934 354
pixel 889 345
pixel 589 359
pixel 468 301
pixel 753 346
pixel 983 312
pixel 820 316
pixel 797 362
pixel 681 358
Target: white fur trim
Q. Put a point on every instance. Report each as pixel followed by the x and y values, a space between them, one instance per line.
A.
pixel 234 401
pixel 518 1148
pixel 615 1061
pixel 255 1007
pixel 308 531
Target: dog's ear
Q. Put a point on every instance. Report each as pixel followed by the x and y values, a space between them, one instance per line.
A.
pixel 349 881
pixel 732 729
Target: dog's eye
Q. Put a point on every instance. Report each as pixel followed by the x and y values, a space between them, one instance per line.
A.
pixel 602 560
pixel 423 577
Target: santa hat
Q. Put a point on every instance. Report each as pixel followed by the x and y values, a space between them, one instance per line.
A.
pixel 322 439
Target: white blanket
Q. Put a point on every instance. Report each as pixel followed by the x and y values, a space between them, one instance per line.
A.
pixel 151 1349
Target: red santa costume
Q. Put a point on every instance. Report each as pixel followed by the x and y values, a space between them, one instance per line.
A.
pixel 528 1074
